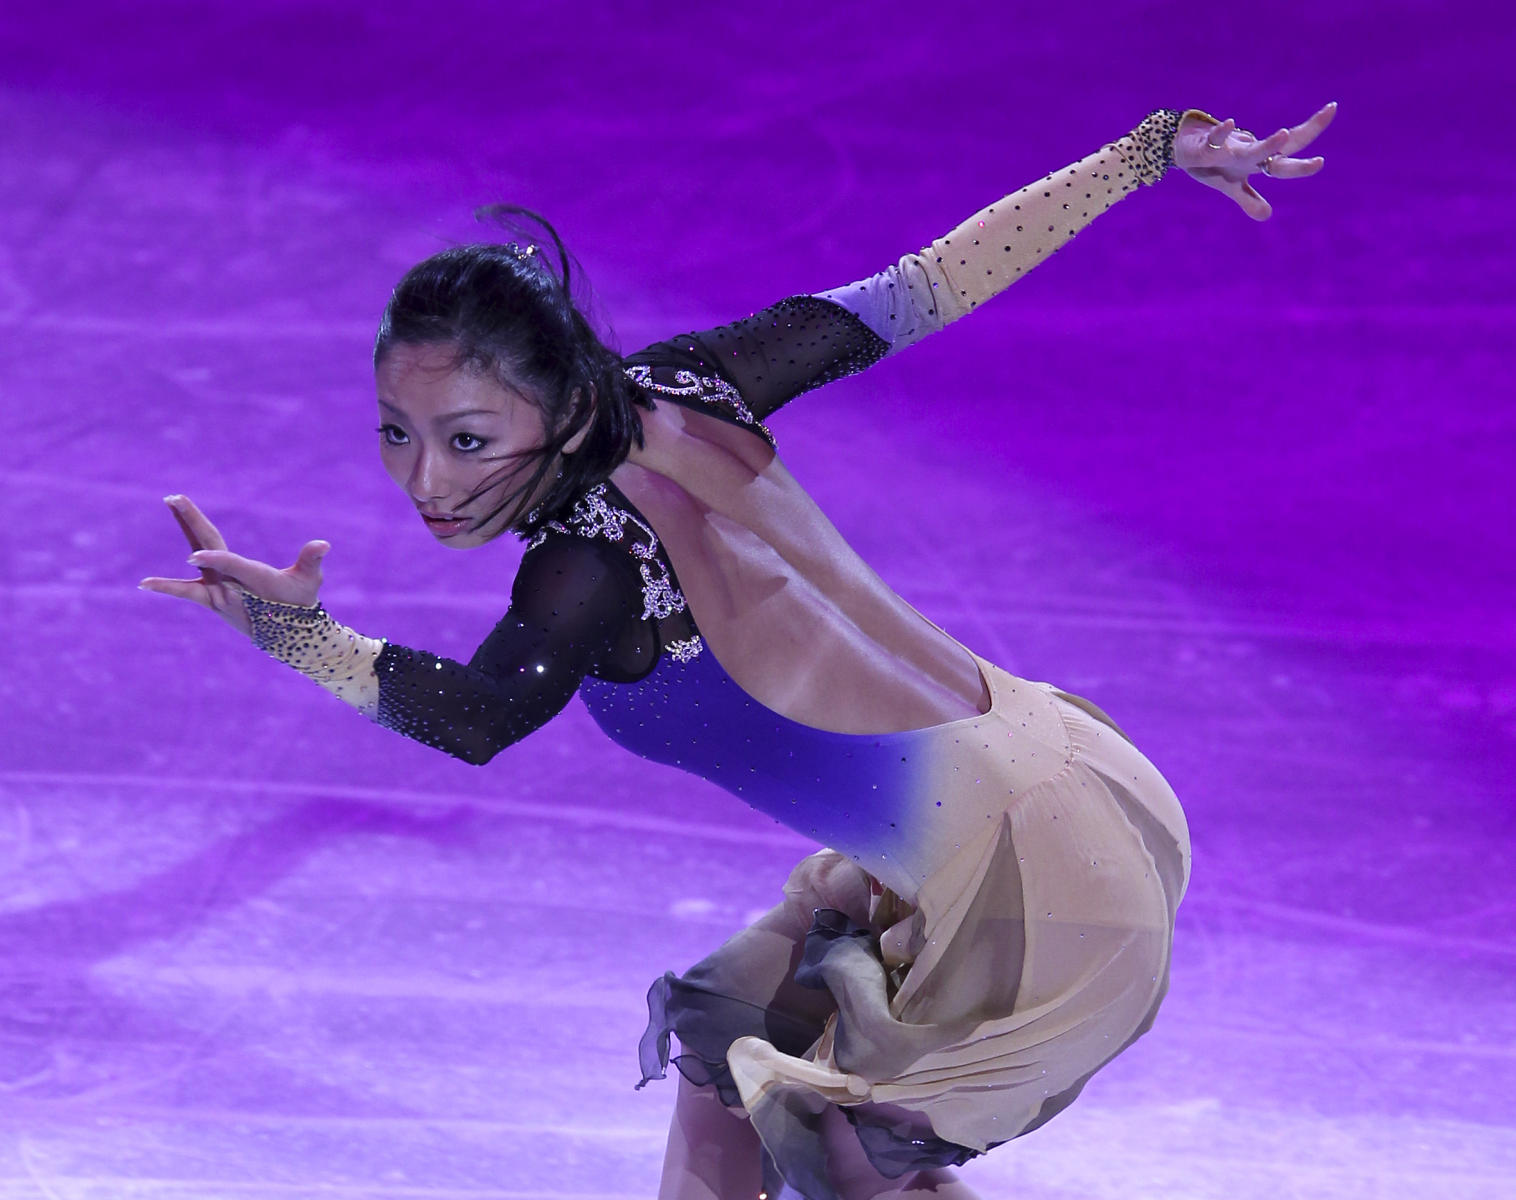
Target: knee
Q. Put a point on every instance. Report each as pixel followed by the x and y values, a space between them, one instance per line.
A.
pixel 827 879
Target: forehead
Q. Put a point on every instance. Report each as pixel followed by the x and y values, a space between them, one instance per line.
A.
pixel 422 381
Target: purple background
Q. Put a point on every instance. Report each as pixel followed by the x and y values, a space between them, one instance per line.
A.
pixel 1245 485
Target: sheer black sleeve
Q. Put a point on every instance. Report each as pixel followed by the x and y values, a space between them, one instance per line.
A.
pixel 776 354
pixel 802 342
pixel 571 598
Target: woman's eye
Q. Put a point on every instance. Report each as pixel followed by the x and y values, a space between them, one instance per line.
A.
pixel 392 435
pixel 467 442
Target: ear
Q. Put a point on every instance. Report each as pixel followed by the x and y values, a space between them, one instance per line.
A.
pixel 578 439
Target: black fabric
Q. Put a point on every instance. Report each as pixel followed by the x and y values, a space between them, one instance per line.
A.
pixel 575 608
pixel 577 602
pixel 828 927
pixel 895 1149
pixel 707 1021
pixel 777 353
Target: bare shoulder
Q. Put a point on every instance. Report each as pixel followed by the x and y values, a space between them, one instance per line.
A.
pixel 680 440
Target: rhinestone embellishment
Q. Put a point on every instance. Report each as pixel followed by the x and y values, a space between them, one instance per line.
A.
pixel 594 516
pixel 709 389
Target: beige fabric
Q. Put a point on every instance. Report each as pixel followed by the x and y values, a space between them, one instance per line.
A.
pixel 1029 958
pixel 997 245
pixel 307 638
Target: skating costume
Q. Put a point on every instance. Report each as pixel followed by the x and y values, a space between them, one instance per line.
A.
pixel 992 920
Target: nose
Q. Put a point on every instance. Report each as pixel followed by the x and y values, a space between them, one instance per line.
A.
pixel 427 479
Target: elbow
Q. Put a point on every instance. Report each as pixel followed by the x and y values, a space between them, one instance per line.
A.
pixel 486 741
pixel 477 754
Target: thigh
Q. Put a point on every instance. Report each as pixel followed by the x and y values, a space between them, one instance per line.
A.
pixel 712 1152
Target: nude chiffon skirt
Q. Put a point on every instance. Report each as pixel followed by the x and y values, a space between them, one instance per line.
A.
pixel 971 1013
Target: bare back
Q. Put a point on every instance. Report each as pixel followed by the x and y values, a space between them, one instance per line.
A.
pixel 792 613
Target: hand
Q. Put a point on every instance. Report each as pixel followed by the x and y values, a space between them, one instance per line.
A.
pixel 1222 156
pixel 223 573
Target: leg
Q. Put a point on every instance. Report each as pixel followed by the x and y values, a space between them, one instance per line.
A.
pixel 712 1151
pixel 748 987
pixel 854 1176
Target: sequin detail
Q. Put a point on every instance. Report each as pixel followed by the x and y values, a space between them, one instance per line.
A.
pixel 710 389
pixel 685 649
pixel 1154 138
pixel 593 516
pixel 307 638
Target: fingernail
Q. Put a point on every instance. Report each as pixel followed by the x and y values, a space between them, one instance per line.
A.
pixel 172 500
pixel 194 559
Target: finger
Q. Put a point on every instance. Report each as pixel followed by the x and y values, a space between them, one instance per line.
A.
pixel 1294 168
pixel 248 573
pixel 308 561
pixel 184 589
pixel 182 507
pixel 1254 204
pixel 1267 154
pixel 197 527
pixel 1319 119
pixel 1275 143
pixel 1217 135
pixel 1306 132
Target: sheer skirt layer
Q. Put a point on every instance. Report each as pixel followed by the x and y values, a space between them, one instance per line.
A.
pixel 970 1013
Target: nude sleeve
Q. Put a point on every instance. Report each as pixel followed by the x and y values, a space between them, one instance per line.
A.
pixel 569 600
pixel 999 244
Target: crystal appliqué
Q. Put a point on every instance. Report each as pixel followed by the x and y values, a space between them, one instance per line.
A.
pixel 685 648
pixel 594 515
pixel 709 389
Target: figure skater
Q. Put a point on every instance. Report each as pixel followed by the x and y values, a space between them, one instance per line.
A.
pixel 992 919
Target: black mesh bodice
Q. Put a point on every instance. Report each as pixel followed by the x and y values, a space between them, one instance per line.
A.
pixel 596 594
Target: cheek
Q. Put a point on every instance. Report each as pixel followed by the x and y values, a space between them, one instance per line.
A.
pixel 396 464
pixel 498 474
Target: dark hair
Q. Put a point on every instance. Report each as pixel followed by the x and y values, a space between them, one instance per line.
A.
pixel 510 314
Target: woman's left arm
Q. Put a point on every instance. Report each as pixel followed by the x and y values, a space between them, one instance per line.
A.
pixel 999 244
pixel 804 341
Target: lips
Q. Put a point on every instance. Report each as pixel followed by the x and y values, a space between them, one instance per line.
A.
pixel 444 524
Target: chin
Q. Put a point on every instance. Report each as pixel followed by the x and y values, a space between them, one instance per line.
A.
pixel 469 539
pixel 462 541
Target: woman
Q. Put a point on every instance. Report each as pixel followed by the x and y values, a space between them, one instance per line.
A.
pixel 993 921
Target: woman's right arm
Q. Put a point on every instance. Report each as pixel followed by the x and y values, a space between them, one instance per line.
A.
pixel 568 602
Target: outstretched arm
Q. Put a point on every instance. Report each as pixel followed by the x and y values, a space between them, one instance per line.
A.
pixel 1000 243
pixel 1003 242
pixel 569 600
pixel 805 341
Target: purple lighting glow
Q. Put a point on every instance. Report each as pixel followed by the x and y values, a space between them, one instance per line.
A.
pixel 1244 484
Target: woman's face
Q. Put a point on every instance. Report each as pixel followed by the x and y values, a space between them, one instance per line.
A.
pixel 457 442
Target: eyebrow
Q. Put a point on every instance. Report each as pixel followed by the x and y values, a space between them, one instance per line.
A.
pixel 448 416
